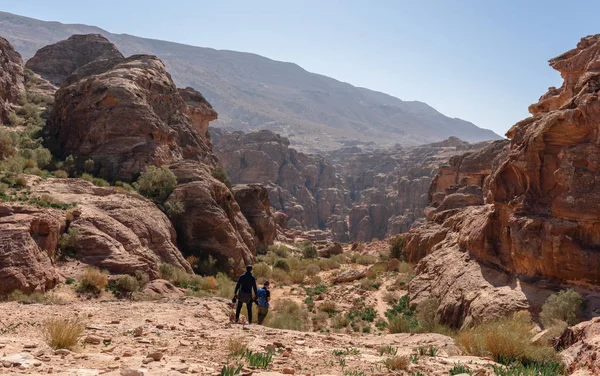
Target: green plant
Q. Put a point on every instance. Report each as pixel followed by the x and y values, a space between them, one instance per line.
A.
pixel 220 174
pixel 566 305
pixel 426 314
pixel 414 358
pixel 156 183
pixel 236 346
pixel 537 369
pixel 366 313
pixel 310 252
pixel 280 250
pixel 173 274
pixel 174 208
pixel 313 269
pixel 460 368
pixel 63 334
pixel 282 264
pixel 258 360
pixel 231 371
pixel 399 324
pixel 387 350
pixel 19 296
pixel 126 285
pixel 396 247
pixel 329 307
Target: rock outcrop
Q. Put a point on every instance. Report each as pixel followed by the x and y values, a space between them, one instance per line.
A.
pixel 115 231
pixel 11 78
pixel 540 220
pixel 89 115
pixel 126 114
pixel 57 61
pixel 254 203
pixel 304 187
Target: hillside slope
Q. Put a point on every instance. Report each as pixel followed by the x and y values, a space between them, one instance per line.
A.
pixel 251 92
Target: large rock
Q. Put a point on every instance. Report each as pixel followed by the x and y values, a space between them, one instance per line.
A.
pixel 11 78
pixel 254 203
pixel 57 61
pixel 116 231
pixel 212 223
pixel 89 115
pixel 541 218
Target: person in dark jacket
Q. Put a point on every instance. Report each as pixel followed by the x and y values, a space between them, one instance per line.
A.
pixel 246 285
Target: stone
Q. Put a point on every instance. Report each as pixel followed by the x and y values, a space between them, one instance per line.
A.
pixel 147 360
pixel 156 356
pixel 62 352
pixel 331 249
pixel 288 371
pixel 255 205
pixel 138 332
pixel 164 288
pixel 93 340
pixel 131 372
pixel 349 275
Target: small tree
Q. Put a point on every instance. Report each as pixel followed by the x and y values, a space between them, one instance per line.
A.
pixel 220 174
pixel 396 247
pixel 156 183
pixel 566 305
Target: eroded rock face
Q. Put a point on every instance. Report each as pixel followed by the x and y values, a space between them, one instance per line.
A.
pixel 212 223
pixel 254 203
pixel 305 187
pixel 118 232
pixel 542 202
pixel 11 78
pixel 89 116
pixel 57 61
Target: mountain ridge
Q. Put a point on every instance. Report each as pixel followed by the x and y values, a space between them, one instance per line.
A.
pixel 252 92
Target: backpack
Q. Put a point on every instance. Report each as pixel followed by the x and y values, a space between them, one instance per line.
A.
pixel 262 298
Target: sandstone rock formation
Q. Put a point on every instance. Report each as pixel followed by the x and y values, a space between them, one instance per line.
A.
pixel 126 114
pixel 541 214
pixel 11 78
pixel 254 203
pixel 305 187
pixel 88 119
pixel 115 231
pixel 57 61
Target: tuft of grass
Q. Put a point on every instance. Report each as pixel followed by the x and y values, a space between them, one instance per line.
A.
pixel 310 252
pixel 460 369
pixel 387 350
pixel 236 346
pixel 287 314
pixel 92 281
pixel 173 274
pixel 63 334
pixel 20 296
pixel 397 363
pixel 506 340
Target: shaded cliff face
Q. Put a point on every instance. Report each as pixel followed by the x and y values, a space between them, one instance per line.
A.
pixel 541 215
pixel 11 78
pixel 305 187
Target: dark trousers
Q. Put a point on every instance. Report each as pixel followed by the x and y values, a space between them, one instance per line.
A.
pixel 262 313
pixel 244 298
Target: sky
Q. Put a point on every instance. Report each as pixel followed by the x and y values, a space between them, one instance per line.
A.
pixel 484 61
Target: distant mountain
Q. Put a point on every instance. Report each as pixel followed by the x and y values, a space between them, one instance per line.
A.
pixel 251 92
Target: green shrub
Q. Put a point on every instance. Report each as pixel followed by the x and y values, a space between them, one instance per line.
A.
pixel 280 250
pixel 319 321
pixel 399 324
pixel 426 314
pixel 126 285
pixel 340 321
pixel 88 166
pixel 396 247
pixel 282 264
pixel 566 305
pixel 156 183
pixel 92 281
pixel 366 259
pixel 174 208
pixel 313 269
pixel 68 241
pixel 287 314
pixel 220 174
pixel 173 274
pixel 310 252
pixel 262 270
pixel 61 174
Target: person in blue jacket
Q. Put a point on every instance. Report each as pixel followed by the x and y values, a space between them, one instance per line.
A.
pixel 262 301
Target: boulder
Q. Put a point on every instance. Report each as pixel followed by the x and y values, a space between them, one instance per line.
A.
pixel 331 249
pixel 349 275
pixel 163 288
pixel 254 203
pixel 11 78
pixel 57 61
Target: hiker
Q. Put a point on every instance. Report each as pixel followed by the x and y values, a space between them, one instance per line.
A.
pixel 262 301
pixel 246 284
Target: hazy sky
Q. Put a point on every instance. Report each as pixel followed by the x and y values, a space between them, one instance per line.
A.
pixel 481 60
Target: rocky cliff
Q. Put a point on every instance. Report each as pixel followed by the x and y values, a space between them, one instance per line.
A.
pixel 11 79
pixel 539 219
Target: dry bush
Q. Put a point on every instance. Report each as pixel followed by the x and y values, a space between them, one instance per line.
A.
pixel 236 346
pixel 310 252
pixel 173 274
pixel 319 321
pixel 282 264
pixel 194 261
pixel 340 321
pixel 328 306
pixel 566 305
pixel 280 276
pixel 505 340
pixel 330 263
pixel 426 314
pixel 405 268
pixel 126 285
pixel 61 174
pixel 205 284
pixel 313 269
pixel 297 276
pixel 279 250
pixel 225 286
pixel 287 314
pixel 20 296
pixel 63 333
pixel 262 270
pixel 391 298
pixel 399 324
pixel 396 247
pixel 397 363
pixel 92 281
pixel 366 259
